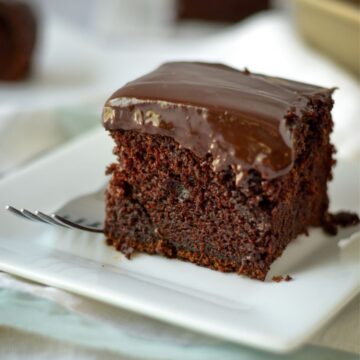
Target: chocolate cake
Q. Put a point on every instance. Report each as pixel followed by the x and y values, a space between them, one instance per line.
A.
pixel 17 39
pixel 215 10
pixel 217 166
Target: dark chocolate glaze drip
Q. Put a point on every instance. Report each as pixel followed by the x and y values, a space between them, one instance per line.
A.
pixel 236 116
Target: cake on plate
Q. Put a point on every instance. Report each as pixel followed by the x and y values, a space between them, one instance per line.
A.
pixel 216 166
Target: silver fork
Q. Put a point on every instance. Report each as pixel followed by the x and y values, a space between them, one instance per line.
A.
pixel 82 213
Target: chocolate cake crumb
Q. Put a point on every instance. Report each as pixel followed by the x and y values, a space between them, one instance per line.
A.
pixel 280 278
pixel 332 222
pixel 346 218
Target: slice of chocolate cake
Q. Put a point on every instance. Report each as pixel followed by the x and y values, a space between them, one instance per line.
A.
pixel 217 166
pixel 18 30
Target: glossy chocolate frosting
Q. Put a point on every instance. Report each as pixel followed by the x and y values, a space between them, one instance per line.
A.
pixel 236 116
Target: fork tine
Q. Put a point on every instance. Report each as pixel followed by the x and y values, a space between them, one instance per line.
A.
pixel 17 212
pixel 53 219
pixel 32 216
pixel 74 225
pixel 48 219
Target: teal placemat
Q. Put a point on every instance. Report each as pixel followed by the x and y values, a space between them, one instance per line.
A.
pixel 26 312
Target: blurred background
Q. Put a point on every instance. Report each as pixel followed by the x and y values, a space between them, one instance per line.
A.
pixel 60 60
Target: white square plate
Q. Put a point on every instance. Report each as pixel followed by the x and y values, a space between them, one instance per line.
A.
pixel 268 315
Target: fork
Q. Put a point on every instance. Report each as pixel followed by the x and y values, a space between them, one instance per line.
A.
pixel 77 214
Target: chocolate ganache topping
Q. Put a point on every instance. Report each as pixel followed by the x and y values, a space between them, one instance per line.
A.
pixel 236 116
